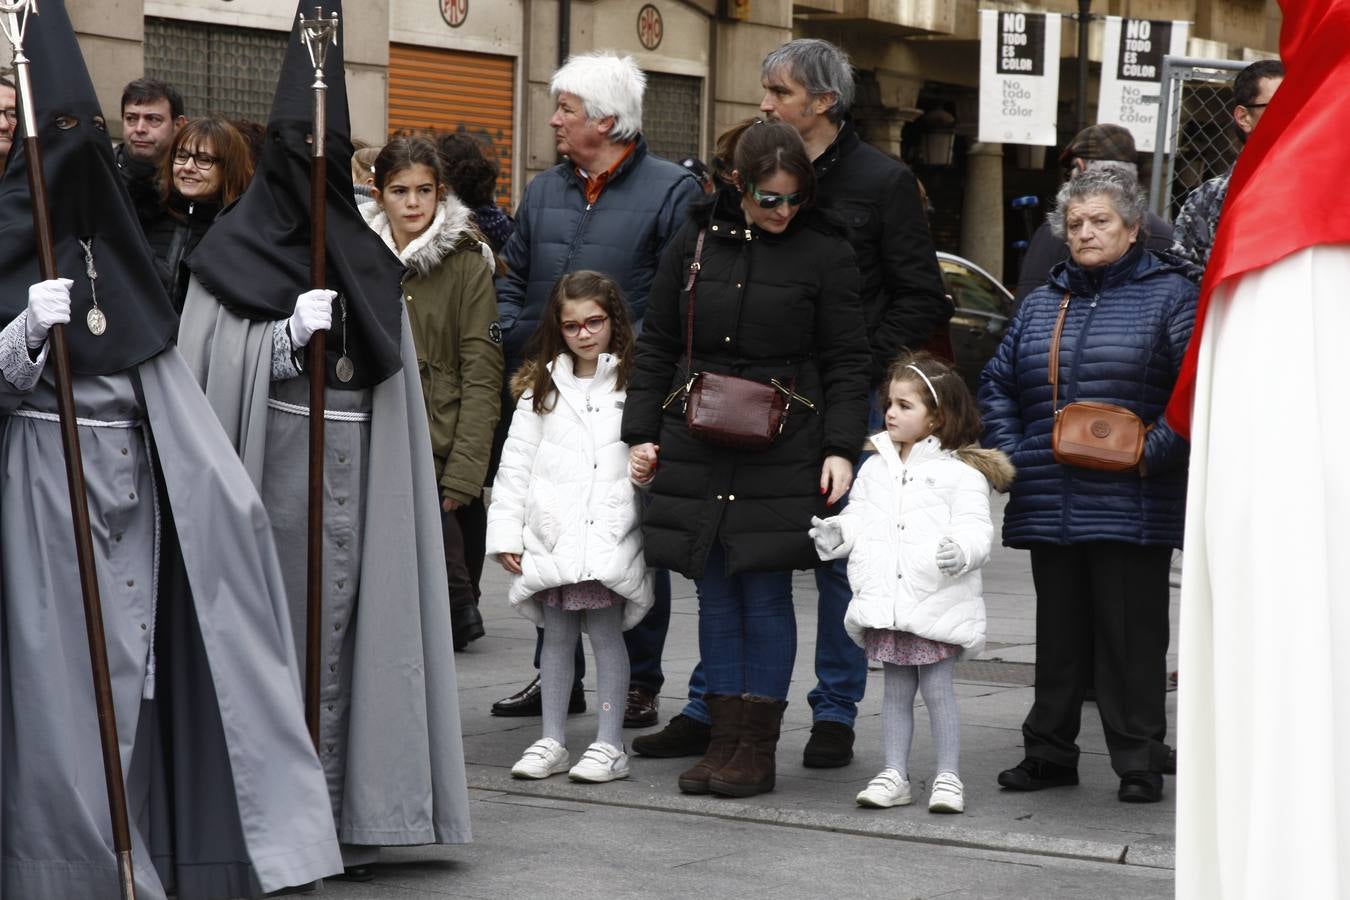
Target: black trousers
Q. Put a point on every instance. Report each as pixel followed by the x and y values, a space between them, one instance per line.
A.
pixel 1101 617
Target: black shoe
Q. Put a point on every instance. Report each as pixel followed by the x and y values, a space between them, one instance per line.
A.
pixel 1170 764
pixel 1033 774
pixel 308 887
pixel 682 736
pixel 466 625
pixel 829 747
pixel 356 873
pixel 641 710
pixel 1140 787
pixel 530 701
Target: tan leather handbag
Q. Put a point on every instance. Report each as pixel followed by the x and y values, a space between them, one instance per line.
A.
pixel 1088 434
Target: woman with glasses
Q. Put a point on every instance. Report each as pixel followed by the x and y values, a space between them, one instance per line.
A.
pixel 208 166
pixel 775 301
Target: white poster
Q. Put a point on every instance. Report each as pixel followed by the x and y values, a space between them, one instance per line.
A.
pixel 1019 77
pixel 1132 63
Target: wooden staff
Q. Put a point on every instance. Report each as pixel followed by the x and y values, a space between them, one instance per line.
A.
pixel 317 34
pixel 15 21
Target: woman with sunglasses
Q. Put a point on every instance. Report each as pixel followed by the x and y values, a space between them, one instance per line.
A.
pixel 775 297
pixel 208 166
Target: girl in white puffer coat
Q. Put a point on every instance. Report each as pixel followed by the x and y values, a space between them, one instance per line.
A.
pixel 916 532
pixel 565 520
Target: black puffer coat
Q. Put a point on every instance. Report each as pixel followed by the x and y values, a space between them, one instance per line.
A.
pixel 767 306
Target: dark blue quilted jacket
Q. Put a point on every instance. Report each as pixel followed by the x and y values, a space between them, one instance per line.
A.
pixel 1125 334
pixel 642 206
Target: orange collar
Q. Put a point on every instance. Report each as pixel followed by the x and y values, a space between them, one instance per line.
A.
pixel 594 184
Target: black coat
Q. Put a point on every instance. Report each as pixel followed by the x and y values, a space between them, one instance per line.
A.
pixel 875 200
pixel 173 236
pixel 767 306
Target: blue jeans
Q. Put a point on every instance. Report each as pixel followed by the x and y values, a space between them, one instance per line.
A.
pixel 841 665
pixel 747 630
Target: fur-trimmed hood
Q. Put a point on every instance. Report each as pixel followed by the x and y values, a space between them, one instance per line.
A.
pixel 992 464
pixel 452 229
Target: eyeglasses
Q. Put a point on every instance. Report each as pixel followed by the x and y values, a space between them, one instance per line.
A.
pixel 11 115
pixel 592 326
pixel 204 161
pixel 773 201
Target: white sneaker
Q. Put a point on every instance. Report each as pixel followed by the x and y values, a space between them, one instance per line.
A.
pixel 886 790
pixel 948 794
pixel 600 763
pixel 543 758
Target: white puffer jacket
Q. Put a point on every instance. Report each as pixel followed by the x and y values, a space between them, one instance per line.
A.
pixel 896 515
pixel 562 498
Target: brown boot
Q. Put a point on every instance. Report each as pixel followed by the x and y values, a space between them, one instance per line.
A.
pixel 725 712
pixel 751 768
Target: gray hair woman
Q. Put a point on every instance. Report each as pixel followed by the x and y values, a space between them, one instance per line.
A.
pixel 1100 542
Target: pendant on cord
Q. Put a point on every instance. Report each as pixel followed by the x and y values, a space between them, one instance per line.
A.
pixel 95 320
pixel 345 368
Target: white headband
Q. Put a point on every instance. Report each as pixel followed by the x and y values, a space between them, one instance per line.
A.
pixel 931 389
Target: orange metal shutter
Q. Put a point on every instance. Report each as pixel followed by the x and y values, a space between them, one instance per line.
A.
pixel 449 90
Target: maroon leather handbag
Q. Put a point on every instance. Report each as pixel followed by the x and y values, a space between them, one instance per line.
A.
pixel 723 409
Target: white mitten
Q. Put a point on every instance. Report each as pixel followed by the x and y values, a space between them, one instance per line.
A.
pixel 950 557
pixel 313 312
pixel 48 305
pixel 827 536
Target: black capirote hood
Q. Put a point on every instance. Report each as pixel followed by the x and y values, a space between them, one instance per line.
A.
pixel 88 202
pixel 255 258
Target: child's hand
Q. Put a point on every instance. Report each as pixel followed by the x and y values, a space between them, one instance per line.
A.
pixel 826 535
pixel 950 557
pixel 510 562
pixel 642 462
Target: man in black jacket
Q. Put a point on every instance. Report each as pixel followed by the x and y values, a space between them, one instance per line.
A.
pixel 1097 146
pixel 874 200
pixel 152 113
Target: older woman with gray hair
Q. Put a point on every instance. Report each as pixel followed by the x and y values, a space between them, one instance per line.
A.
pixel 1100 541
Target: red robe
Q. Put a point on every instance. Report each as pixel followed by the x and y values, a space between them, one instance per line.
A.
pixel 1288 190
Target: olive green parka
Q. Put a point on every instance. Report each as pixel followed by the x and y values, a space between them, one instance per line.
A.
pixel 452 310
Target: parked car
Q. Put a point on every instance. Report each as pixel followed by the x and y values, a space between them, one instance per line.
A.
pixel 983 307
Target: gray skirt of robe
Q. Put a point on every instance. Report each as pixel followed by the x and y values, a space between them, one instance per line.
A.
pixel 390 737
pixel 225 793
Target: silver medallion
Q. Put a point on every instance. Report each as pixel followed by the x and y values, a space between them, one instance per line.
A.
pixel 345 369
pixel 97 322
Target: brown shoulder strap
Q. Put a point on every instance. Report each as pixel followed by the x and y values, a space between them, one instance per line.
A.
pixel 689 288
pixel 1054 352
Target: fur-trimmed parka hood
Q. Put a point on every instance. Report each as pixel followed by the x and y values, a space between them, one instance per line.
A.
pixel 451 230
pixel 992 464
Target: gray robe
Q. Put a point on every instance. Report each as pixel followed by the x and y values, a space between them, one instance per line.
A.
pixel 390 738
pixel 225 792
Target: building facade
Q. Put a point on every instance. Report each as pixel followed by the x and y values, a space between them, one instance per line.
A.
pixel 483 66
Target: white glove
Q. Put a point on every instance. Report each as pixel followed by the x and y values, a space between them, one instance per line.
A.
pixel 950 557
pixel 48 305
pixel 313 312
pixel 827 536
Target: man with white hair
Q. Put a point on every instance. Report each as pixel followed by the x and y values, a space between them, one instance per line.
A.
pixel 610 206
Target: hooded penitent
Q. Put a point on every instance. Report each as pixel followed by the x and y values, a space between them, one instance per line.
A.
pixel 255 259
pixel 88 205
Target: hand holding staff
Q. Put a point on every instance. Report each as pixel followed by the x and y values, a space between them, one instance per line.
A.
pixel 318 33
pixel 14 21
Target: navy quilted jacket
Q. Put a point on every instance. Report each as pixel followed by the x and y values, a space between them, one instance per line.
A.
pixel 1124 337
pixel 642 206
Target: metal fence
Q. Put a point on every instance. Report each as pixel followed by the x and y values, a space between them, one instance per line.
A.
pixel 1195 120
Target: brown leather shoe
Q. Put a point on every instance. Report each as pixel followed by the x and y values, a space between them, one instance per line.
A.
pixel 642 708
pixel 726 726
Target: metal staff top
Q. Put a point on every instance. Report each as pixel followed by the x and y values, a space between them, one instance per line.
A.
pixel 319 34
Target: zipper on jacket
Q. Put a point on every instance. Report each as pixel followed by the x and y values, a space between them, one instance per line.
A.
pixel 576 236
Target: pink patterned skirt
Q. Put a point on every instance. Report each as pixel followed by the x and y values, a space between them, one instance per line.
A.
pixel 900 648
pixel 574 597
